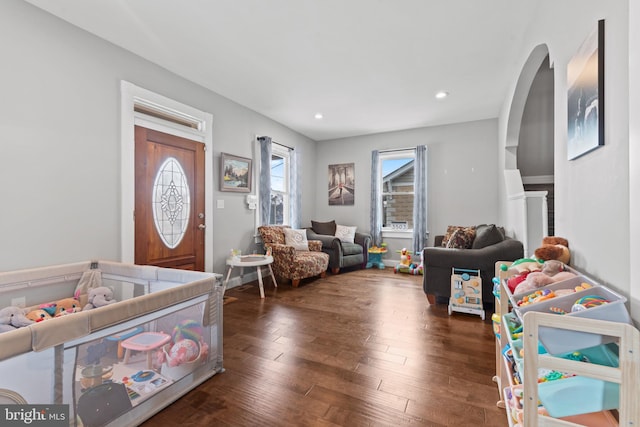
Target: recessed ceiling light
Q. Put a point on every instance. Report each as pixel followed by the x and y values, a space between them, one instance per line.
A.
pixel 442 94
pixel 318 116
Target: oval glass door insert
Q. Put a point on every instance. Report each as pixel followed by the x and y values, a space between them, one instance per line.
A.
pixel 171 203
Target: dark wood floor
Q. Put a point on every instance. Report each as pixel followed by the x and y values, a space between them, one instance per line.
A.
pixel 361 348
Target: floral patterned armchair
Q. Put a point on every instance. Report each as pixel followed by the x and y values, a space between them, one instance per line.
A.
pixel 289 263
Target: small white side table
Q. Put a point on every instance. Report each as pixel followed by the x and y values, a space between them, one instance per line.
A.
pixel 251 261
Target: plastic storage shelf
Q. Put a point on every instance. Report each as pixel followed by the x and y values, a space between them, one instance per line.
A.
pixel 609 380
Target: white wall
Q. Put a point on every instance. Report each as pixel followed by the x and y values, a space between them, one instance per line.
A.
pixel 535 144
pixel 592 192
pixel 461 171
pixel 634 153
pixel 60 143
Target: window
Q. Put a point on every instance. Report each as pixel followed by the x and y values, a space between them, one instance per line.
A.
pixel 280 199
pixel 397 189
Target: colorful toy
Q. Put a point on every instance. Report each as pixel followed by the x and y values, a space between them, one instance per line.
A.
pixel 534 280
pixel 13 317
pixel 540 295
pixel 186 351
pixel 419 269
pixel 588 301
pixel 466 290
pixel 405 265
pixel 187 329
pixel 375 257
pixel 522 265
pixel 183 351
pixel 49 307
pixel 67 306
pixel 39 315
pixel 496 321
pixel 538 279
pixel 99 297
pixel 514 281
pixel 519 270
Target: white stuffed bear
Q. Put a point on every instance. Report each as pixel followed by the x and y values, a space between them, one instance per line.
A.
pixel 99 297
pixel 12 318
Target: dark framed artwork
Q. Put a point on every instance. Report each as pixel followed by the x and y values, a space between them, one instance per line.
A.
pixel 235 173
pixel 342 184
pixel 585 97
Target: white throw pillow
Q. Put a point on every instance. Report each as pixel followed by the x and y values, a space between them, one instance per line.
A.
pixel 345 233
pixel 296 238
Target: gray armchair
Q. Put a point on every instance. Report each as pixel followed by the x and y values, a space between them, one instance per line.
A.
pixel 439 262
pixel 341 254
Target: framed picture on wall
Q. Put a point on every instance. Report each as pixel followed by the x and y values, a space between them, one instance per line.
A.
pixel 235 173
pixel 585 98
pixel 342 184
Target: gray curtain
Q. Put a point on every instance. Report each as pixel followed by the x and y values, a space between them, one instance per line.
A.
pixel 295 196
pixel 420 233
pixel 265 179
pixel 376 200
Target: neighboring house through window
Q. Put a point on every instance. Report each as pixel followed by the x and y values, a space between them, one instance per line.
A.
pixel 397 188
pixel 280 188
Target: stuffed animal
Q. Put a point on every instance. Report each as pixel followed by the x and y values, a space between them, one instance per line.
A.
pixel 519 270
pixel 99 297
pixel 523 265
pixel 67 306
pixel 538 279
pixel 534 280
pixel 419 269
pixel 553 267
pixel 13 317
pixel 554 248
pixel 38 315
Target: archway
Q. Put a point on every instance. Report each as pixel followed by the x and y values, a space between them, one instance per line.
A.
pixel 529 150
pixel 520 96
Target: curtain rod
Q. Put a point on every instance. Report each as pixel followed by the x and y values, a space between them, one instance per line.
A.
pixel 282 145
pixel 391 150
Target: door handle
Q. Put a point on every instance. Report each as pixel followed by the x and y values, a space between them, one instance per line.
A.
pixel 202 226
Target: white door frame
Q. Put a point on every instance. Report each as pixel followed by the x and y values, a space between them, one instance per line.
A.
pixel 132 95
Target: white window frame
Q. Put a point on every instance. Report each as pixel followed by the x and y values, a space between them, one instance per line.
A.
pixel 390 232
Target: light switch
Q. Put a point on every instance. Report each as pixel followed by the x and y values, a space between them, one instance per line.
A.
pixel 220 204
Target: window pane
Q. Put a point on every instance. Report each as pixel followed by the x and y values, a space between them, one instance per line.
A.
pixel 277 173
pixel 397 177
pixel 171 203
pixel 277 209
pixel 397 208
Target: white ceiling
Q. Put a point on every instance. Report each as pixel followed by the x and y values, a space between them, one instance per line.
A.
pixel 368 65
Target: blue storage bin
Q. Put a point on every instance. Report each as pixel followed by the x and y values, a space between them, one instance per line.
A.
pixel 578 395
pixel 605 354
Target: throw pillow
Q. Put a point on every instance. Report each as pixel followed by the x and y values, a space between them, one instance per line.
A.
pixel 327 228
pixel 296 238
pixel 459 237
pixel 345 233
pixel 487 235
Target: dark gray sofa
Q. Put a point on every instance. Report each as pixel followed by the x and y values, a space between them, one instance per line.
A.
pixel 439 262
pixel 341 254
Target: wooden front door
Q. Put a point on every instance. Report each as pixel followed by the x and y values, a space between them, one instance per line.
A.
pixel 169 205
